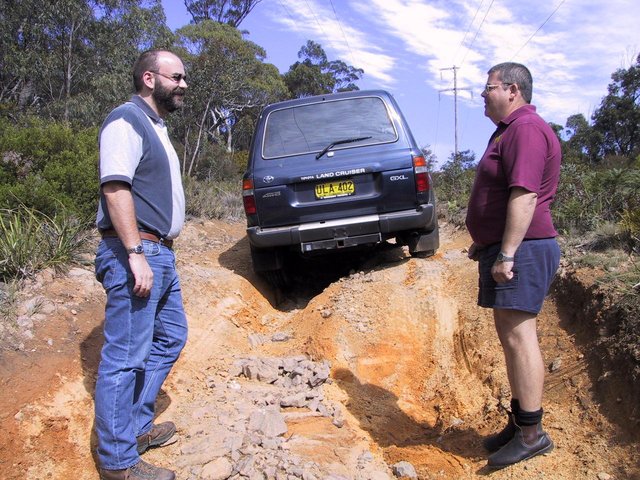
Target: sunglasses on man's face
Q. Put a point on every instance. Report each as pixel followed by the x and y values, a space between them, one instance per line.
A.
pixel 176 77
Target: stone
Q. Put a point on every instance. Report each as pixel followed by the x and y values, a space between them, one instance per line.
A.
pixel 326 313
pixel 218 469
pixel 555 365
pixel 257 339
pixel 296 400
pixel 268 421
pixel 246 465
pixel 404 469
pixel 280 337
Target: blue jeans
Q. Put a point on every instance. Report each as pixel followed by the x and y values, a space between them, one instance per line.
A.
pixel 143 338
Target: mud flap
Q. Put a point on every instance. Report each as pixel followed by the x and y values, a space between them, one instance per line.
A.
pixel 423 243
pixel 267 259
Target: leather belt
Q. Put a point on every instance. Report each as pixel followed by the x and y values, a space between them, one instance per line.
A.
pixel 143 235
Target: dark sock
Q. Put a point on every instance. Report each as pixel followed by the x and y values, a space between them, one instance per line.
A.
pixel 526 419
pixel 515 406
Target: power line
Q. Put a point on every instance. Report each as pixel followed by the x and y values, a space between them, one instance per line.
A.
pixel 468 29
pixel 287 10
pixel 477 31
pixel 539 28
pixel 316 17
pixel 343 35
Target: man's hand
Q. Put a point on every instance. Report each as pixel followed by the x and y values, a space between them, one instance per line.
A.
pixel 474 252
pixel 502 271
pixel 142 274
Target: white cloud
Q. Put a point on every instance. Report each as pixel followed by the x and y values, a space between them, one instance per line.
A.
pixel 571 52
pixel 338 35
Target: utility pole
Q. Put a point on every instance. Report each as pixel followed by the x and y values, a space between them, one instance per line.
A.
pixel 455 104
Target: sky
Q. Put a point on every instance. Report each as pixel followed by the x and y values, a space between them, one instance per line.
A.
pixel 421 50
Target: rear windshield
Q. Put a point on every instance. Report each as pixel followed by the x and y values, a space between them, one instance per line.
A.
pixel 310 128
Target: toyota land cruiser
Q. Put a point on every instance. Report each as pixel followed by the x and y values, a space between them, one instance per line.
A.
pixel 335 172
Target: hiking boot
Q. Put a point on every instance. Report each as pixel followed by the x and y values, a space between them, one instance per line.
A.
pixel 156 437
pixel 517 449
pixel 140 471
pixel 495 442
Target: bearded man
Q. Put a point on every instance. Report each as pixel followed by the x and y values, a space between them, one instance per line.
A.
pixel 140 213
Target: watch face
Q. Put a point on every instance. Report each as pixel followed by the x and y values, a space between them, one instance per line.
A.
pixel 503 258
pixel 137 249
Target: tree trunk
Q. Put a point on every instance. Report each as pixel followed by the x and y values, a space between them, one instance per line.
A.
pixel 194 155
pixel 68 70
pixel 227 122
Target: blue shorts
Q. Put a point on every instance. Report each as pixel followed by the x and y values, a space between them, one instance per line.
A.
pixel 535 265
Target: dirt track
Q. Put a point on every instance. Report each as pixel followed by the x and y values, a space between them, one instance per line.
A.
pixel 416 367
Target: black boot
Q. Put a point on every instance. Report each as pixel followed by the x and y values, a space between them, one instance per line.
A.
pixel 495 442
pixel 517 449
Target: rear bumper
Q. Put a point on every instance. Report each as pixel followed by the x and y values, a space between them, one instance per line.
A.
pixel 344 232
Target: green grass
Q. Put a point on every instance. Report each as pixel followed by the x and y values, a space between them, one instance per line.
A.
pixel 31 241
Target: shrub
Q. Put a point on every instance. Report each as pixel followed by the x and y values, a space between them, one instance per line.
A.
pixel 45 165
pixel 30 241
pixel 588 198
pixel 214 199
pixel 453 185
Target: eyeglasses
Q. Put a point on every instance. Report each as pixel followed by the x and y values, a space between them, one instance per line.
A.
pixel 176 77
pixel 488 87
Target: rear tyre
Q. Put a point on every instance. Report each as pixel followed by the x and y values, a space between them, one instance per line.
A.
pixel 270 264
pixel 277 278
pixel 425 254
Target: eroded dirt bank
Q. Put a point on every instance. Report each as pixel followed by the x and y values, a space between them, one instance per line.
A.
pixel 416 371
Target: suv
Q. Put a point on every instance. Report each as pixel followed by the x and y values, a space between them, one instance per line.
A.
pixel 334 172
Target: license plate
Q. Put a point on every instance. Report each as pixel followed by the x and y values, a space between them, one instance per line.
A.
pixel 340 188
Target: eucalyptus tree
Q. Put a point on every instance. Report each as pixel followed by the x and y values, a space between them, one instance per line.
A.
pixel 227 78
pixel 583 144
pixel 67 59
pixel 315 74
pixel 230 12
pixel 617 119
pixel 124 30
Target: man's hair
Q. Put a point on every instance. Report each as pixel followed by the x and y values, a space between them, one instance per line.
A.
pixel 511 72
pixel 147 61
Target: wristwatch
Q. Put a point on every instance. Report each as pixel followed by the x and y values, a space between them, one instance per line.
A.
pixel 504 258
pixel 137 249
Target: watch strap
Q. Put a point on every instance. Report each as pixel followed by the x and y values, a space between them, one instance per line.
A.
pixel 138 249
pixel 504 258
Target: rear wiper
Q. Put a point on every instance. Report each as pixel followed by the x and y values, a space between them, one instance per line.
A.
pixel 340 142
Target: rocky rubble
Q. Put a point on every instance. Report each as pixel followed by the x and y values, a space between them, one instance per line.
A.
pixel 241 430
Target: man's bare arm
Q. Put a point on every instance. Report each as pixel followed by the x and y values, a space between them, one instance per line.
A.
pixel 123 217
pixel 522 204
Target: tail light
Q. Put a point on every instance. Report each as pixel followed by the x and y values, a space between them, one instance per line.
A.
pixel 421 174
pixel 248 199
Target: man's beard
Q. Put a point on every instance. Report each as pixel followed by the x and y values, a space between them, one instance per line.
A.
pixel 168 99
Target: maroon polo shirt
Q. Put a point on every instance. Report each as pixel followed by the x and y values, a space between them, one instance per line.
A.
pixel 523 152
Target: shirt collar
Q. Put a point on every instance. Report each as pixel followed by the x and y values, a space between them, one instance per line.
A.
pixel 144 106
pixel 517 113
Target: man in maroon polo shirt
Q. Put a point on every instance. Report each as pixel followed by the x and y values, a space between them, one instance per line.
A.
pixel 509 220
